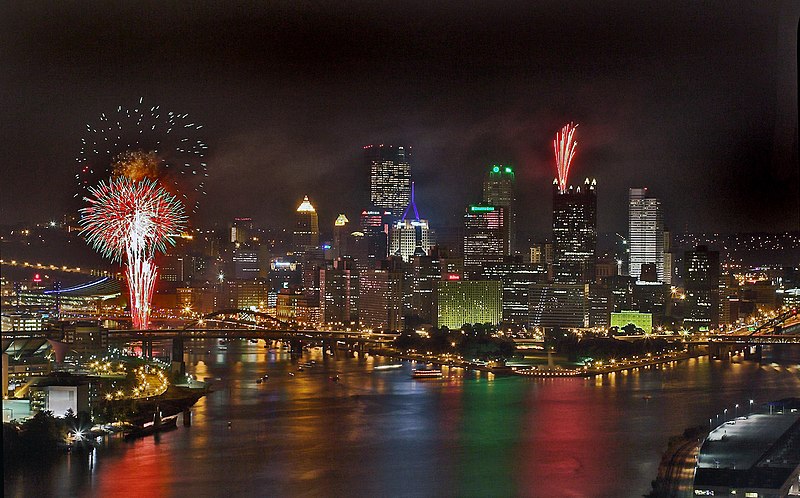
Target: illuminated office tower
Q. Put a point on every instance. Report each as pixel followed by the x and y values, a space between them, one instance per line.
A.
pixel 306 230
pixel 340 236
pixel 336 290
pixel 375 227
pixel 390 176
pixel 701 281
pixel 485 239
pixel 575 232
pixel 646 233
pixel 499 190
pixel 240 230
pixel 465 301
pixel 380 299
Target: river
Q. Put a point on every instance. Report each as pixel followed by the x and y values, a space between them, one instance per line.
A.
pixel 380 433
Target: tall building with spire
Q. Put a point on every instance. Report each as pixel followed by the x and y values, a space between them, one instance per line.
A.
pixel 411 236
pixel 646 233
pixel 499 190
pixel 575 232
pixel 390 176
pixel 305 237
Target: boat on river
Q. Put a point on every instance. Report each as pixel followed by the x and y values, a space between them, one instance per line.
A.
pixel 427 373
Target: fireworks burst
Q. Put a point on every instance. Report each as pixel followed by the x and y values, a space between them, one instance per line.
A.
pixel 564 147
pixel 145 142
pixel 132 220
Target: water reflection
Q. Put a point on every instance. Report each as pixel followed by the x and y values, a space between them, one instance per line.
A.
pixel 378 432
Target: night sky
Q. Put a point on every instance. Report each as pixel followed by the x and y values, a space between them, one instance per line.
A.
pixel 695 100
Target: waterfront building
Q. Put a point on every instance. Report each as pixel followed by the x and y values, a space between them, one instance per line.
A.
pixel 295 307
pixel 247 294
pixel 202 299
pixel 499 190
pixel 642 321
pixel 701 282
pixel 646 233
pixel 380 299
pixel 599 303
pixel 336 293
pixel 752 456
pixel 516 278
pixel 390 176
pixel 306 231
pixel 485 238
pixel 426 271
pixel 468 301
pixel 559 305
pixel 575 232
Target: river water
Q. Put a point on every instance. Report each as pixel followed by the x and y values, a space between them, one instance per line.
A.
pixel 380 433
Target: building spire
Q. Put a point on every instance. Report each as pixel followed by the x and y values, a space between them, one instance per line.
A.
pixel 410 205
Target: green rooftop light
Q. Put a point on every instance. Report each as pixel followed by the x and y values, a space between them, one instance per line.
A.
pixel 508 169
pixel 496 169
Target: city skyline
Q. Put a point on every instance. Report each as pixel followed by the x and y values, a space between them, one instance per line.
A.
pixel 723 128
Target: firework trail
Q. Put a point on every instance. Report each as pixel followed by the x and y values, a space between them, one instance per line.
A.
pixel 564 147
pixel 145 142
pixel 129 220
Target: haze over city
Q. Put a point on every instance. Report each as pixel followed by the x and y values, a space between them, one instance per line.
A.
pixel 696 102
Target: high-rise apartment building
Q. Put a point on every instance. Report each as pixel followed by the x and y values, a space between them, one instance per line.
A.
pixel 390 176
pixel 499 190
pixel 485 237
pixel 646 233
pixel 575 232
pixel 701 281
pixel 306 230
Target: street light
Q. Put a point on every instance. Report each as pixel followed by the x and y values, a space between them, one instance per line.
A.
pixel 751 406
pixel 725 418
pixel 736 411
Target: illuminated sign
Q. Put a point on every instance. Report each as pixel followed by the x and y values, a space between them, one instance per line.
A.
pixel 453 276
pixel 481 209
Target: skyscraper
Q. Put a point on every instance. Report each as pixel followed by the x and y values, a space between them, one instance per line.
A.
pixel 575 232
pixel 380 299
pixel 498 190
pixel 410 236
pixel 390 176
pixel 485 237
pixel 646 233
pixel 306 231
pixel 340 233
pixel 701 281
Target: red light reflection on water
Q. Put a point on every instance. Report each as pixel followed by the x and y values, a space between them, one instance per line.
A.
pixel 144 471
pixel 565 452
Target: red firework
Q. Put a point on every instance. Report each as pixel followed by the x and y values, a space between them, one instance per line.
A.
pixel 132 220
pixel 564 147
